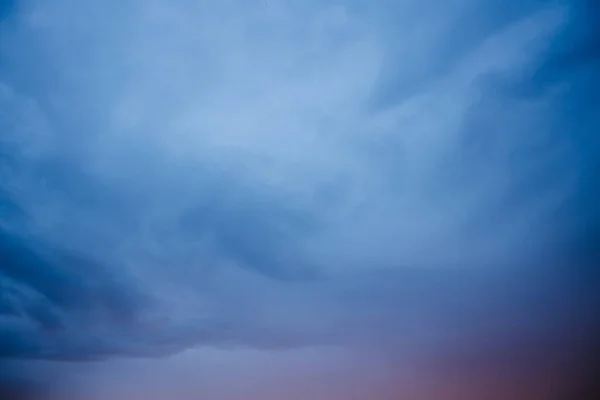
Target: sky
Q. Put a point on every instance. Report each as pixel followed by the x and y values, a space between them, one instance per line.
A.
pixel 285 199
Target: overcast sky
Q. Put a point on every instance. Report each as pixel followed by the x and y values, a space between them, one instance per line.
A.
pixel 242 199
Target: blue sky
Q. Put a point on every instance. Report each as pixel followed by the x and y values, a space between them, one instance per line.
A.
pixel 245 180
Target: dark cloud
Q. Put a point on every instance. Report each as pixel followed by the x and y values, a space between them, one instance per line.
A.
pixel 256 233
pixel 471 26
pixel 17 384
pixel 6 8
pixel 46 291
pixel 18 391
pixel 58 303
pixel 152 254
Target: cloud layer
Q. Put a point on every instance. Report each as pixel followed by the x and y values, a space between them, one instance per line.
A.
pixel 284 174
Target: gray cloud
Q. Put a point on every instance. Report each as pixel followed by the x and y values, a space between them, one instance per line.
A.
pixel 178 174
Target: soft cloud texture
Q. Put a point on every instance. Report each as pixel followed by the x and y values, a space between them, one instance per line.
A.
pixel 384 175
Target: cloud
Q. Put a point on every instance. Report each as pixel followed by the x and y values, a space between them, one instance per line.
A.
pixel 271 174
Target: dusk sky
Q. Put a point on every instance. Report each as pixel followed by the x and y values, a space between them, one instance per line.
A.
pixel 299 199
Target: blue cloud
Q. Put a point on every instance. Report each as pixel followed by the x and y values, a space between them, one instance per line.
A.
pixel 175 174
